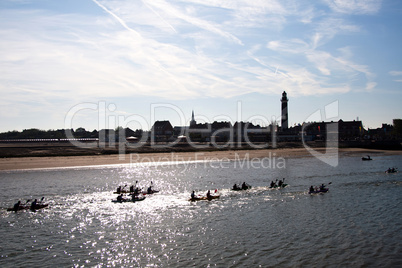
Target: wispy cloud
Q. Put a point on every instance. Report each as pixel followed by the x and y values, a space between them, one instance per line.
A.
pixel 398 74
pixel 180 50
pixel 395 73
pixel 355 6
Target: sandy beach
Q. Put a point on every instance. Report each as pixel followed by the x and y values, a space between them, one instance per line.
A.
pixel 21 163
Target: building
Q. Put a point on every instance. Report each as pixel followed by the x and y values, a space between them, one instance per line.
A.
pixel 162 131
pixel 347 130
pixel 221 131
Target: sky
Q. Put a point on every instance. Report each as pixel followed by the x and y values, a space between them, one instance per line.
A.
pixel 101 64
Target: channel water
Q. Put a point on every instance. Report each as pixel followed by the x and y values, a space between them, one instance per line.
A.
pixel 358 223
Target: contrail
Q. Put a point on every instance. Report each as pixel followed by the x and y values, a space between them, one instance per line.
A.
pixel 115 16
pixel 157 14
pixel 155 62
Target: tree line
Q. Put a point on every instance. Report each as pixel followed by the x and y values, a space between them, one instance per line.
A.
pixel 78 133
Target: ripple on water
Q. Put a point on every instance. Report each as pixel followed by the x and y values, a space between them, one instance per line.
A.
pixel 355 224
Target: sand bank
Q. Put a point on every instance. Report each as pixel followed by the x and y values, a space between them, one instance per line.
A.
pixel 21 163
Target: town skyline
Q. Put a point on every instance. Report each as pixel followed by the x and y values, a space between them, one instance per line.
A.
pixel 208 57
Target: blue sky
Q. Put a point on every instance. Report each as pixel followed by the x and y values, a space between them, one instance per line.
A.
pixel 226 60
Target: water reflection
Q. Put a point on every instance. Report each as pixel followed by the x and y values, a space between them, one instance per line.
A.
pixel 260 226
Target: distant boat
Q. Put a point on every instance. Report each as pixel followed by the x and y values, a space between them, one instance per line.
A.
pixel 391 170
pixel 204 198
pixel 366 158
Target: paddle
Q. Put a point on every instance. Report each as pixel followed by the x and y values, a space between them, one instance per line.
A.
pixel 41 200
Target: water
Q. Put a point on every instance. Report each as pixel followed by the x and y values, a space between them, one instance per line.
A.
pixel 356 224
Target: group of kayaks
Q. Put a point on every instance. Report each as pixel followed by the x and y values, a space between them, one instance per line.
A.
pixel 34 206
pixel 236 187
pixel 135 194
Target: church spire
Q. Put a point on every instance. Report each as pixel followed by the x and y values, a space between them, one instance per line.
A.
pixel 192 122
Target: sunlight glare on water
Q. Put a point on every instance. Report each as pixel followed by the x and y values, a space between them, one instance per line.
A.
pixel 355 224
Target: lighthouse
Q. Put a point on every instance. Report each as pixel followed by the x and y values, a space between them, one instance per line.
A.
pixel 284 121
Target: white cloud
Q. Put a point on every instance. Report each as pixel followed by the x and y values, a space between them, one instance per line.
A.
pixel 355 6
pixel 294 46
pixel 395 73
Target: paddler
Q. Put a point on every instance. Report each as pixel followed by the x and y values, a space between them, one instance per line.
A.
pixel 136 191
pixel 33 205
pixel 193 195
pixel 311 189
pixel 322 187
pixel 209 194
pixel 16 206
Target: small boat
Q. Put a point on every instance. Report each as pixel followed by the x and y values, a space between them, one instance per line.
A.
pixel 318 191
pixel 277 186
pixel 26 207
pixel 150 192
pixel 122 192
pixel 391 170
pixel 241 188
pixel 137 199
pixel 367 158
pixel 204 198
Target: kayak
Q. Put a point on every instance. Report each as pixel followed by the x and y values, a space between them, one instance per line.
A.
pixel 241 189
pixel 38 206
pixel 277 186
pixel 151 192
pixel 128 200
pixel 123 192
pixel 391 171
pixel 319 191
pixel 366 158
pixel 142 192
pixel 204 198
